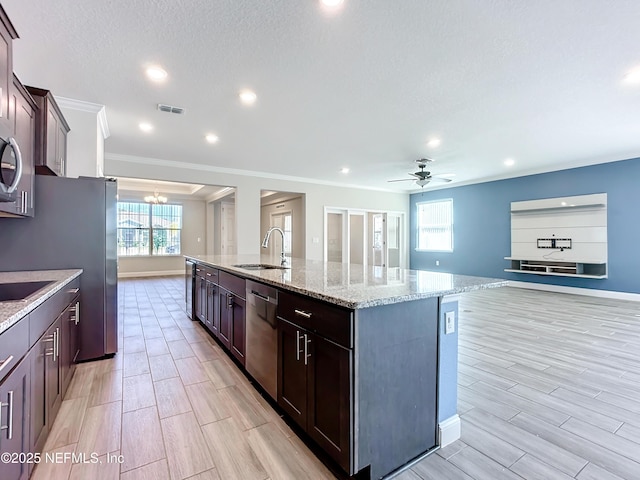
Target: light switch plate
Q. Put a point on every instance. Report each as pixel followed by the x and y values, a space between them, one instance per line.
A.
pixel 449 322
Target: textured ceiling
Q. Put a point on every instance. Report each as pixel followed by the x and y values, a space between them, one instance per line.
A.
pixel 538 81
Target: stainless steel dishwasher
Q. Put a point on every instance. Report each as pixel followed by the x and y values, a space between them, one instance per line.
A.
pixel 262 336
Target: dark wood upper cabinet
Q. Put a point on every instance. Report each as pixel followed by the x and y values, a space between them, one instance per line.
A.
pixel 22 110
pixel 7 35
pixel 51 134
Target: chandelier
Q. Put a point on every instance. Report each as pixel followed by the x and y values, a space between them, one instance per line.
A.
pixel 155 198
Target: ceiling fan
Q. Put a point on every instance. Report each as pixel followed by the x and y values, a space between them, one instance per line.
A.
pixel 423 177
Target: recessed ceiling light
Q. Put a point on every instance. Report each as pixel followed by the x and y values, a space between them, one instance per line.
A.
pixel 145 127
pixel 509 162
pixel 344 170
pixel 156 73
pixel 248 97
pixel 211 138
pixel 633 76
pixel 434 142
pixel 332 3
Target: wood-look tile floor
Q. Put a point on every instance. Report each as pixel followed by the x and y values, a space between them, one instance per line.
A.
pixel 548 387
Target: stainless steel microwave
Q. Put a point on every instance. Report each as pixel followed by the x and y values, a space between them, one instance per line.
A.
pixel 10 168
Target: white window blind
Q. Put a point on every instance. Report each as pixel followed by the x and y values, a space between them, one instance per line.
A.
pixel 435 226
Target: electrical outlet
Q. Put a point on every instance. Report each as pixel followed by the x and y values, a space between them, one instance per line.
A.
pixel 315 240
pixel 437 263
pixel 449 322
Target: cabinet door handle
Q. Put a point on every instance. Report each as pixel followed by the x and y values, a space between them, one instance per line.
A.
pixel 298 337
pixel 73 291
pixel 76 319
pixel 6 362
pixel 302 313
pixel 9 426
pixel 56 344
pixel 229 300
pixel 307 341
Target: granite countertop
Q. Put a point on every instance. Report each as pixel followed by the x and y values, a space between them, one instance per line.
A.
pixel 14 310
pixel 351 286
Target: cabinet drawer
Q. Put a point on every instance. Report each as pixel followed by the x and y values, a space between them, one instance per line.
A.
pixel 46 314
pixel 235 285
pixel 211 274
pixel 14 344
pixel 327 320
pixel 200 270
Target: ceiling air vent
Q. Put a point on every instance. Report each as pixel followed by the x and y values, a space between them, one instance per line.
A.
pixel 170 109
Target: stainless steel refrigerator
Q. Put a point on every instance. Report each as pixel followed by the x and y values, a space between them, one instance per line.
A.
pixel 74 227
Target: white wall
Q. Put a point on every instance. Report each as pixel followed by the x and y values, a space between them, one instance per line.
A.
pixel 193 228
pixel 248 196
pixel 82 143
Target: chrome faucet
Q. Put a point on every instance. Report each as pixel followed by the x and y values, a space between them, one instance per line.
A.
pixel 265 243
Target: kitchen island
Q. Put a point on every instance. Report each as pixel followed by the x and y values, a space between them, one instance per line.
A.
pixel 366 364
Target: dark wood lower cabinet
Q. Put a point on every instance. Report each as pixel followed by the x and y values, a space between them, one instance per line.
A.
pixel 292 378
pixel 45 385
pixel 314 388
pixel 225 300
pixel 213 310
pixel 238 328
pixel 14 421
pixel 200 299
pixel 329 397
pixel 68 344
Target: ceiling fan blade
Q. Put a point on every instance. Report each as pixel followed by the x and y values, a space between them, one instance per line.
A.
pixel 446 175
pixel 403 180
pixel 440 180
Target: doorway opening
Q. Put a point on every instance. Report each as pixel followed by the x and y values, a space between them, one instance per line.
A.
pixel 284 210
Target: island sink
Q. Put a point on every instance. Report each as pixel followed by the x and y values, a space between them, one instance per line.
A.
pixel 19 291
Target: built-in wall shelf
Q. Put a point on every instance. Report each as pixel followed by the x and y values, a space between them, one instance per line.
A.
pixel 564 269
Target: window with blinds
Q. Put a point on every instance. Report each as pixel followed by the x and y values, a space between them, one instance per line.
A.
pixel 148 229
pixel 435 226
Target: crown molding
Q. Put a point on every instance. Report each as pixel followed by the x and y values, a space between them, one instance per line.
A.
pixel 89 107
pixel 157 162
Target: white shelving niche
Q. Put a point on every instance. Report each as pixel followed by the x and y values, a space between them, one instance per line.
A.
pixel 565 236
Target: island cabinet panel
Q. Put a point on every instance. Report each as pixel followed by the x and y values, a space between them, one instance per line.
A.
pixel 396 380
pixel 14 421
pixel 315 373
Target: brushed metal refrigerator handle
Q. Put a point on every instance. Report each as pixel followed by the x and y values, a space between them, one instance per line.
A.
pixel 6 362
pixel 9 426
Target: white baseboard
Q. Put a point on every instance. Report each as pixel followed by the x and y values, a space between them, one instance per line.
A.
pixel 634 297
pixel 449 431
pixel 157 273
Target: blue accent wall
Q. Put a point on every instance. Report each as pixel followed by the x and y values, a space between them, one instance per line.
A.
pixel 482 223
